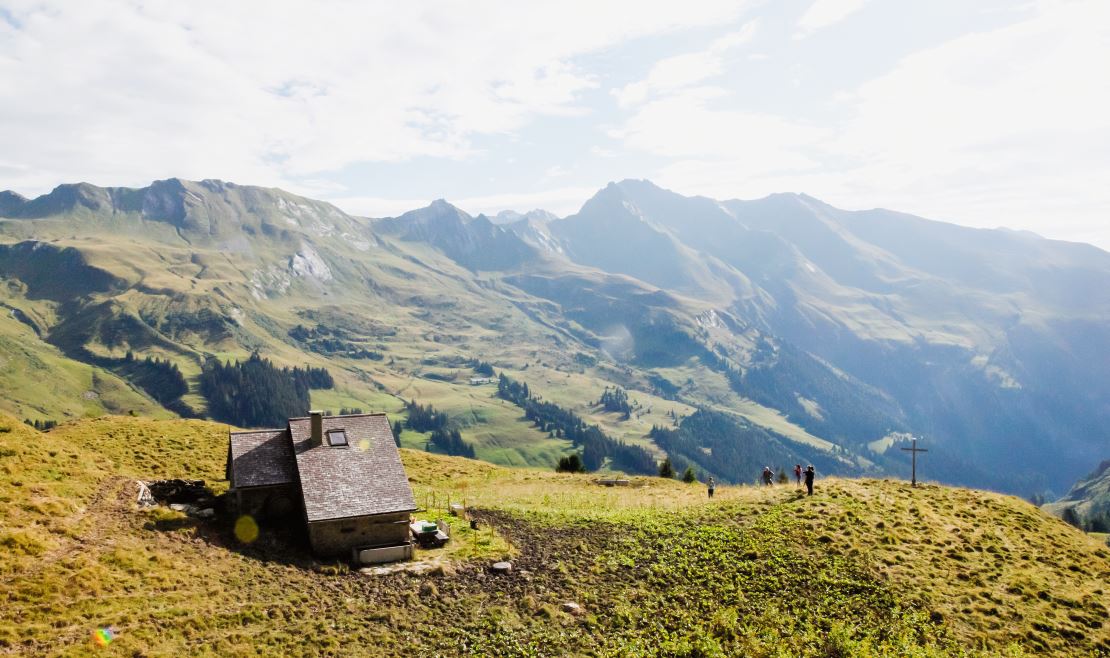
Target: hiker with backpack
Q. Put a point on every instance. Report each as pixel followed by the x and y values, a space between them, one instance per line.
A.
pixel 809 480
pixel 797 476
pixel 768 476
pixel 711 487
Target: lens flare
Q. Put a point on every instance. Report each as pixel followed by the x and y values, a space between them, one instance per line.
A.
pixel 246 529
pixel 103 636
pixel 364 445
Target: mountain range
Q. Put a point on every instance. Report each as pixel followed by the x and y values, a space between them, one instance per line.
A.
pixel 836 334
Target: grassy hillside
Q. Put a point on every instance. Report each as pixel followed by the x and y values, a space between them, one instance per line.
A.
pixel 38 382
pixel 865 567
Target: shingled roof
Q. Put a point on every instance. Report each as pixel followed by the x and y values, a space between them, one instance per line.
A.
pixel 261 458
pixel 363 478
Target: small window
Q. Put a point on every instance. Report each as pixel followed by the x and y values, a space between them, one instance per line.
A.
pixel 337 438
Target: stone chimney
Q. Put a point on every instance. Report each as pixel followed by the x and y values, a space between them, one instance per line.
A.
pixel 316 421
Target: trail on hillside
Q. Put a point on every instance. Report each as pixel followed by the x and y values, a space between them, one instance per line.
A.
pixel 108 503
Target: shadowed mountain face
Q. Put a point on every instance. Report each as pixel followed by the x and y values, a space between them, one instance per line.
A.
pixel 987 340
pixel 1087 503
pixel 858 328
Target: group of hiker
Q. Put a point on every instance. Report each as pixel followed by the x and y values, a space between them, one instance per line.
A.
pixel 808 473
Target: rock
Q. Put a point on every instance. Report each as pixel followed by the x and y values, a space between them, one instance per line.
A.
pixel 179 491
pixel 376 571
pixel 572 608
pixel 180 507
pixel 206 513
pixel 502 567
pixel 145 498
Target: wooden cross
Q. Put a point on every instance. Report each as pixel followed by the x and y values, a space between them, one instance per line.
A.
pixel 914 450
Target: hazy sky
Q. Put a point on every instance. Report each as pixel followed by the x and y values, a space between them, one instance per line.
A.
pixel 981 112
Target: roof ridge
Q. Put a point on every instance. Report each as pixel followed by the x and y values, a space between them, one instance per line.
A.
pixel 372 413
pixel 276 429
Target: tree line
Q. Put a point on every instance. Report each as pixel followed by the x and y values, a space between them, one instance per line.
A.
pixel 425 418
pixel 482 367
pixel 41 425
pixel 160 378
pixel 256 393
pixel 450 441
pixel 595 445
pixel 616 399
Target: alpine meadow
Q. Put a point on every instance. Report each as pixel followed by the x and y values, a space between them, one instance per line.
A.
pixel 261 395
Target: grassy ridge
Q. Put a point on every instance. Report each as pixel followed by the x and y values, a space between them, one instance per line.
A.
pixel 865 567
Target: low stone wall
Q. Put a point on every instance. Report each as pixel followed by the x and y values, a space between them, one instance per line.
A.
pixel 337 538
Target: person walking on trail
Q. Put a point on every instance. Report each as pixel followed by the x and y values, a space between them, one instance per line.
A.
pixel 797 476
pixel 768 476
pixel 711 487
pixel 809 480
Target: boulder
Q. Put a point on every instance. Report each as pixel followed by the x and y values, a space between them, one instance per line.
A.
pixel 179 491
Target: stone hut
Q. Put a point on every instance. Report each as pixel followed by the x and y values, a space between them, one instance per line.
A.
pixel 342 474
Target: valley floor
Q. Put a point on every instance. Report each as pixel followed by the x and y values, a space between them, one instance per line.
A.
pixel 864 567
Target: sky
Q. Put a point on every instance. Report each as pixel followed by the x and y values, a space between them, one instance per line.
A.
pixel 986 113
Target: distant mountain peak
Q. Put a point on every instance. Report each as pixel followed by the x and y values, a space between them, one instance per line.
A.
pixel 473 242
pixel 11 202
pixel 436 212
pixel 512 216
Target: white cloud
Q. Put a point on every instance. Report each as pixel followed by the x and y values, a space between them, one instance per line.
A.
pixel 555 171
pixel 1010 126
pixel 670 74
pixel 1004 127
pixel 825 13
pixel 698 124
pixel 681 71
pixel 123 91
pixel 736 38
